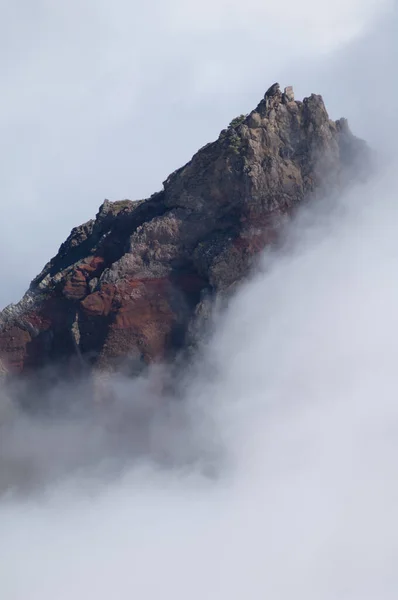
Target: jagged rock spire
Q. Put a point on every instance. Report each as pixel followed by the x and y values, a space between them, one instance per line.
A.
pixel 127 285
pixel 272 91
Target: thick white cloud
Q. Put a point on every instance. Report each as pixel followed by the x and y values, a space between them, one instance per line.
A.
pixel 303 399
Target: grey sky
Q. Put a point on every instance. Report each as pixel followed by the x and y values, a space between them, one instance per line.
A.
pixel 104 99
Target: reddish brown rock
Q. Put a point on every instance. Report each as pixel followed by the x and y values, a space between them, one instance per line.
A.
pixel 125 288
pixel 99 304
pixel 13 348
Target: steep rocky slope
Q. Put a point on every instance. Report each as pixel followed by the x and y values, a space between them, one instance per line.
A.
pixel 124 288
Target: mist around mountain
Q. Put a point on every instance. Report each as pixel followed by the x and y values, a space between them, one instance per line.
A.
pixel 269 467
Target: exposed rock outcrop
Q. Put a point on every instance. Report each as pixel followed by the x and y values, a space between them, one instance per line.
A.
pixel 125 287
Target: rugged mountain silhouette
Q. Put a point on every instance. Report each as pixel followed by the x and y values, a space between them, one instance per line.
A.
pixel 133 285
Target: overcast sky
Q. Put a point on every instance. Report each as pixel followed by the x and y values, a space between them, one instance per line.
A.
pixel 104 99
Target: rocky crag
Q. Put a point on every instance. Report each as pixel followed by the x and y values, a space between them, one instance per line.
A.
pixel 127 287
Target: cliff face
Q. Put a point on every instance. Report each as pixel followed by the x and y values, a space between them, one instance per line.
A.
pixel 126 287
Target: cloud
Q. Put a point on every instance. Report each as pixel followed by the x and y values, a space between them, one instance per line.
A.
pixel 302 403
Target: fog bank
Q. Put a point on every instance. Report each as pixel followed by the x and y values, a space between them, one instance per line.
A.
pixel 301 405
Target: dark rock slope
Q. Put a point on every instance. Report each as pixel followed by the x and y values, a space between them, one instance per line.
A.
pixel 126 286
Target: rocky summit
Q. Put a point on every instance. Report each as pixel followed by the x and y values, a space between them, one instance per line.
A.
pixel 131 286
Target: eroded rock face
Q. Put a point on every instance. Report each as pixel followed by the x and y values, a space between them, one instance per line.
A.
pixel 125 287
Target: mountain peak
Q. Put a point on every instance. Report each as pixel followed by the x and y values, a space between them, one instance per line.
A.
pixel 129 287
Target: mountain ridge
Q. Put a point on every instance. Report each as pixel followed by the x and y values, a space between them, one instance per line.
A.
pixel 129 287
